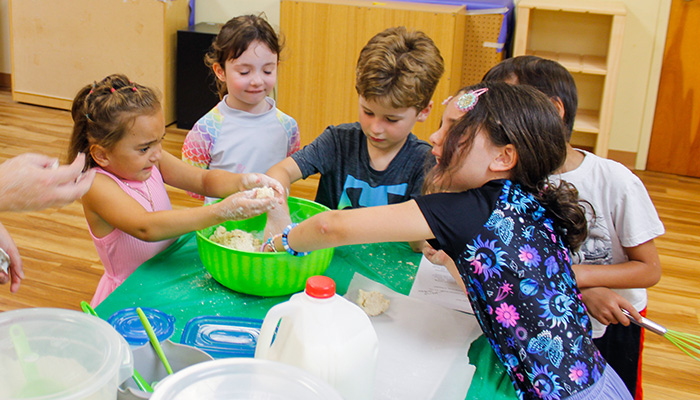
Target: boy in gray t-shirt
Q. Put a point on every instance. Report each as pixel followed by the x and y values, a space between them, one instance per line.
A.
pixel 377 160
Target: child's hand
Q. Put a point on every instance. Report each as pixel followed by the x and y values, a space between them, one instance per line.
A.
pixel 606 306
pixel 251 181
pixel 437 257
pixel 243 205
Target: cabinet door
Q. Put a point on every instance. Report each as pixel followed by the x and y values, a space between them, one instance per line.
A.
pixel 675 135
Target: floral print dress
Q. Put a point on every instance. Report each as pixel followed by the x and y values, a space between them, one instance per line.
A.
pixel 520 284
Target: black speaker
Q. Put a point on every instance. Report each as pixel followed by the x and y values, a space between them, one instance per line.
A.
pixel 196 91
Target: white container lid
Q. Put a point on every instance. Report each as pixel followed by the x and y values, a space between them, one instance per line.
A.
pixel 244 378
pixel 64 354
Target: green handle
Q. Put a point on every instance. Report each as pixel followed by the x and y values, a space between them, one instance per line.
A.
pixel 25 356
pixel 87 309
pixel 142 384
pixel 154 339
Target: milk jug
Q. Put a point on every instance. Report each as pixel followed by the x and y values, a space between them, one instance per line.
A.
pixel 324 334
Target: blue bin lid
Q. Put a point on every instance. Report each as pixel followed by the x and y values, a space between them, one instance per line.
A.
pixel 221 336
pixel 471 4
pixel 128 324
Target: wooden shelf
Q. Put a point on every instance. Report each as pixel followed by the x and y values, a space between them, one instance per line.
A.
pixel 585 36
pixel 582 6
pixel 576 63
pixel 587 121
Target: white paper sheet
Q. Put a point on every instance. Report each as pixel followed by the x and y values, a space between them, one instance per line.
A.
pixel 434 284
pixel 422 347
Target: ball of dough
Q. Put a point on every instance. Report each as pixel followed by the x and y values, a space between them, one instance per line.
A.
pixel 373 303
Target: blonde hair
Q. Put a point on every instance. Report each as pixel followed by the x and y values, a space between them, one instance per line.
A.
pixel 400 67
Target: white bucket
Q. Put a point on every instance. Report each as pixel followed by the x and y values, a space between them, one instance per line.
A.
pixel 52 353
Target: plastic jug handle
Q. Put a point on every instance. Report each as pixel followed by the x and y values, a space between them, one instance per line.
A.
pixel 269 325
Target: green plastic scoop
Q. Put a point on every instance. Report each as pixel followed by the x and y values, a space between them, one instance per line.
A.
pixel 154 340
pixel 142 383
pixel 34 384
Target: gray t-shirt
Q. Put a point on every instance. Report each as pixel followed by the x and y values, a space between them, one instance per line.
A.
pixel 347 179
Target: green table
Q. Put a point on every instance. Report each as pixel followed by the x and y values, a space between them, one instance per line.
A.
pixel 176 282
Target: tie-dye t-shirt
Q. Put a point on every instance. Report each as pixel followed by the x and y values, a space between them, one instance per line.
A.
pixel 241 142
pixel 520 284
pixel 347 180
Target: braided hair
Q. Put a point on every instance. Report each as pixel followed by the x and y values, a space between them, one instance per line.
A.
pixel 104 111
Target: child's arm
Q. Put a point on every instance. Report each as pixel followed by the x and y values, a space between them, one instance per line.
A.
pixel 393 223
pixel 108 207
pixel 439 257
pixel 285 172
pixel 641 271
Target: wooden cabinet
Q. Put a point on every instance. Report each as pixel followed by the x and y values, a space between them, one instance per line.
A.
pixel 323 39
pixel 59 46
pixel 585 36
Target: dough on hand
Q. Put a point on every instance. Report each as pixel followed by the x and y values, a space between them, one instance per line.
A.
pixel 373 303
pixel 264 192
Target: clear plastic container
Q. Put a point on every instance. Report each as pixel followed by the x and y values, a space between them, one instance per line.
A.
pixel 243 379
pixel 324 334
pixel 51 353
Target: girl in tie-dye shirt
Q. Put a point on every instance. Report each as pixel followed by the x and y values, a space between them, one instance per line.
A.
pixel 509 232
pixel 244 132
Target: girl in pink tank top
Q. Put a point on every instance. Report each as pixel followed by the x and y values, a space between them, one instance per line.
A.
pixel 119 125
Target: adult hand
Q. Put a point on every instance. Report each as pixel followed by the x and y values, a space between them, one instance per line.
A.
pixel 31 182
pixel 606 306
pixel 15 273
pixel 243 205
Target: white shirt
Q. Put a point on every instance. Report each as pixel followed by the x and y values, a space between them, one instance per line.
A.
pixel 624 217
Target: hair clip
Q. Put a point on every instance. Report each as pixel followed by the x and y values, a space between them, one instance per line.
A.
pixel 111 90
pixel 447 100
pixel 468 100
pixel 133 88
pixel 88 117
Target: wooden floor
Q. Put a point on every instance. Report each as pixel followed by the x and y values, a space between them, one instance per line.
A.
pixel 62 267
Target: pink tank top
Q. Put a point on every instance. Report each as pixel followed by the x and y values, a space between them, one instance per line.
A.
pixel 120 252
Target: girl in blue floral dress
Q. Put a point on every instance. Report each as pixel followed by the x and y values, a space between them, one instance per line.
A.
pixel 509 232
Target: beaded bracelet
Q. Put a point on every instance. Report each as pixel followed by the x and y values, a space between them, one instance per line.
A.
pixel 270 243
pixel 285 242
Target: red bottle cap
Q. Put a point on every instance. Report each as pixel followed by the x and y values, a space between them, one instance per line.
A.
pixel 320 287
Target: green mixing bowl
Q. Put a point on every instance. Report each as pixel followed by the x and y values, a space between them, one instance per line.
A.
pixel 263 274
